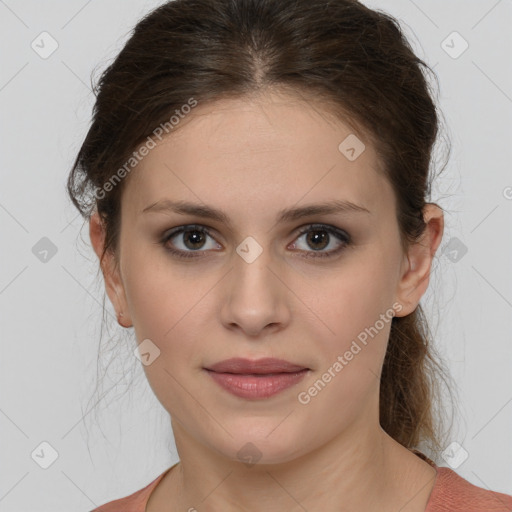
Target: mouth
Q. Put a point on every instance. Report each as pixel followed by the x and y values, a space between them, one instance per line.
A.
pixel 258 379
pixel 267 365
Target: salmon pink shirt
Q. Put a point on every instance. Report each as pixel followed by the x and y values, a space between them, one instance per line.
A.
pixel 451 493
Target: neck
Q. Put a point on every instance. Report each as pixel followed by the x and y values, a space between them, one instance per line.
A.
pixel 362 469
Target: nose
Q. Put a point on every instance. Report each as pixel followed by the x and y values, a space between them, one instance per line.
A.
pixel 255 298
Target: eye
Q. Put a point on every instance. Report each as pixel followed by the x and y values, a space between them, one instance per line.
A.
pixel 189 239
pixel 322 236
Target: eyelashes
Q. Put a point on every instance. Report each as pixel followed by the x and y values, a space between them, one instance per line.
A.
pixel 191 228
pixel 196 233
pixel 341 236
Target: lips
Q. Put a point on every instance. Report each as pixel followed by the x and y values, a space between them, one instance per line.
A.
pixel 256 380
pixel 267 366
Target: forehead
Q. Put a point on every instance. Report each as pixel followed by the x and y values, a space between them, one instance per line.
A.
pixel 259 151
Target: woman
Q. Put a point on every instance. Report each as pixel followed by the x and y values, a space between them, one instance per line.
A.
pixel 256 178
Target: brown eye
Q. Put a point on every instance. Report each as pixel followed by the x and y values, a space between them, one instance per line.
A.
pixel 185 241
pixel 318 238
pixel 193 238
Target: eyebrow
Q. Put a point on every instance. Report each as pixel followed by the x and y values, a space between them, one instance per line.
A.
pixel 284 215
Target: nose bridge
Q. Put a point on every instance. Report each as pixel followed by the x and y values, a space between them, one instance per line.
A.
pixel 251 266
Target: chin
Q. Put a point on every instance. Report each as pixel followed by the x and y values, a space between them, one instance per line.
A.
pixel 255 446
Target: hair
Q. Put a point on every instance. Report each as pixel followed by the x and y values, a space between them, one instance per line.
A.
pixel 354 61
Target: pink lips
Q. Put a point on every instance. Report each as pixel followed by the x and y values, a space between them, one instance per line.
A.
pixel 256 379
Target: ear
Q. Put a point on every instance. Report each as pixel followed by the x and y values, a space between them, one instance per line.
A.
pixel 113 282
pixel 418 261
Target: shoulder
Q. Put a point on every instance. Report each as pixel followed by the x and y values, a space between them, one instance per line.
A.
pixel 453 493
pixel 135 502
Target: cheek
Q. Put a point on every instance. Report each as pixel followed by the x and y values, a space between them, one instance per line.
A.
pixel 165 307
pixel 346 381
pixel 159 294
pixel 354 297
pixel 356 304
pixel 174 309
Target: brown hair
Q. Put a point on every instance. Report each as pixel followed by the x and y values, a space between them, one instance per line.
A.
pixel 353 59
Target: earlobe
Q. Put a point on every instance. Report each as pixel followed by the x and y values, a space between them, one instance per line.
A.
pixel 418 261
pixel 113 282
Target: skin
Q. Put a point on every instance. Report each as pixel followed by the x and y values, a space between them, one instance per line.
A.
pixel 250 158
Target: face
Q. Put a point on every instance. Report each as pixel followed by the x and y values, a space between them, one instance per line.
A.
pixel 316 289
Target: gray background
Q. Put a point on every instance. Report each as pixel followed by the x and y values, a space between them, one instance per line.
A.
pixel 51 303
